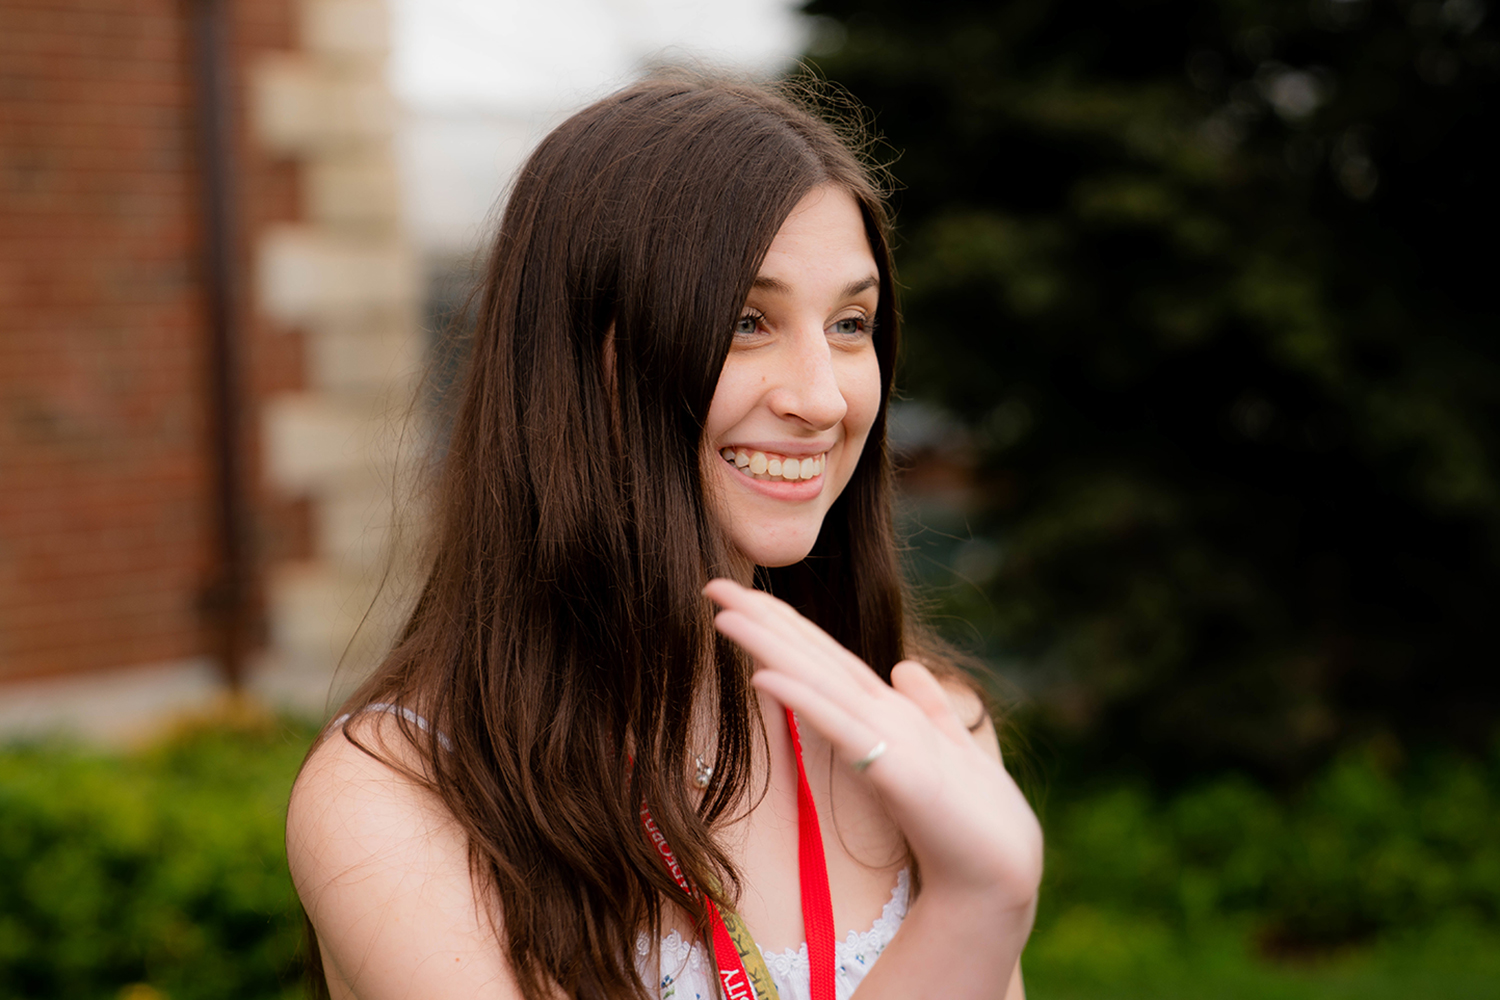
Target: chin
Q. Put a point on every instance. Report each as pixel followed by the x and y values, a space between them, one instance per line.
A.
pixel 779 560
pixel 775 556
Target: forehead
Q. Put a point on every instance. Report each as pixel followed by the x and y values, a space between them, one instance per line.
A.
pixel 822 235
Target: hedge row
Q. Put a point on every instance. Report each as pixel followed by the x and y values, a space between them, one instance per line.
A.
pixel 162 872
pixel 1367 848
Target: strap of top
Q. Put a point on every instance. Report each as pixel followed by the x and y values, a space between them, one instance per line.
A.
pixel 401 710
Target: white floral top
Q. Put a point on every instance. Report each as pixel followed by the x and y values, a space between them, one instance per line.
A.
pixel 686 973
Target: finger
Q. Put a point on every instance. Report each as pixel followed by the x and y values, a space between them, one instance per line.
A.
pixel 774 615
pixel 850 737
pixel 771 612
pixel 777 651
pixel 915 681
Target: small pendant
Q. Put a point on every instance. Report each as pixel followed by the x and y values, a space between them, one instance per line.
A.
pixel 703 772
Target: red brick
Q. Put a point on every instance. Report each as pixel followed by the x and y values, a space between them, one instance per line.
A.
pixel 106 510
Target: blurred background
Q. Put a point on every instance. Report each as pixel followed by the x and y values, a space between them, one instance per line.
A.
pixel 1199 438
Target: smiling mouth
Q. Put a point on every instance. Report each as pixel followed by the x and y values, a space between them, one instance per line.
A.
pixel 773 468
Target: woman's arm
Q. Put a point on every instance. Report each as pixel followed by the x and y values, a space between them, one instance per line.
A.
pixel 383 871
pixel 970 828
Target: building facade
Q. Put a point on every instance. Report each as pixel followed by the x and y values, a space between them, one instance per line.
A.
pixel 208 340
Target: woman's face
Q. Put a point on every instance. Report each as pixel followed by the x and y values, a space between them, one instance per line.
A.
pixel 801 385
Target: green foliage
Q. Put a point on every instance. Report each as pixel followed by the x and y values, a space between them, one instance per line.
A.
pixel 161 875
pixel 1365 852
pixel 1089 954
pixel 1198 282
pixel 1377 880
pixel 164 868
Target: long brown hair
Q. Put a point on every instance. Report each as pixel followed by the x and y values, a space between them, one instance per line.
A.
pixel 561 639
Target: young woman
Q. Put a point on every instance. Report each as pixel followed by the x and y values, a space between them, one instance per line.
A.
pixel 573 777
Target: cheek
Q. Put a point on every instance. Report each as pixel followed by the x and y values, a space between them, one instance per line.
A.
pixel 734 394
pixel 861 389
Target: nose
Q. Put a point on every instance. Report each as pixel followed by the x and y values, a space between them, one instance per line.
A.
pixel 808 388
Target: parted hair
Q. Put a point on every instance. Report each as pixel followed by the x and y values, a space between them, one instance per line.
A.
pixel 561 639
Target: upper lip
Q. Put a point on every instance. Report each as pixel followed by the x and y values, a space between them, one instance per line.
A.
pixel 789 450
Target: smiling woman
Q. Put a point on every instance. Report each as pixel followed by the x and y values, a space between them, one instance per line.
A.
pixel 572 777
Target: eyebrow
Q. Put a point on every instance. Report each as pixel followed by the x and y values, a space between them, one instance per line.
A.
pixel 780 287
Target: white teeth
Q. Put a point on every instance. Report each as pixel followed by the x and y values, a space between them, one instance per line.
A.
pixel 759 465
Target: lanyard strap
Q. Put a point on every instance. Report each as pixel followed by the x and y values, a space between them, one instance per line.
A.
pixel 812 872
pixel 729 958
pixel 734 951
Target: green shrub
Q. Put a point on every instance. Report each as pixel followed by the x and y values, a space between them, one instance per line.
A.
pixel 162 873
pixel 1364 850
pixel 163 868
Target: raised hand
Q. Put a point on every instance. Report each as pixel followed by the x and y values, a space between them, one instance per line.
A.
pixel 969 826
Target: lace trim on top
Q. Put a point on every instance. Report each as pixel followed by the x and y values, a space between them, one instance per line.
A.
pixel 686 972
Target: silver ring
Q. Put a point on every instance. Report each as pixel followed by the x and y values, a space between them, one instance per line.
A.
pixel 875 753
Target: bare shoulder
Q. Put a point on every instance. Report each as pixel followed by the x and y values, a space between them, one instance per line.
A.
pixel 968 706
pixel 350 812
pixel 382 869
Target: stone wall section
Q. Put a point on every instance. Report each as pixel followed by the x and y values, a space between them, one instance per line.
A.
pixel 348 281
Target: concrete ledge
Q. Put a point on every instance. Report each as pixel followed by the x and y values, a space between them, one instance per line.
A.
pixel 115 708
pixel 311 691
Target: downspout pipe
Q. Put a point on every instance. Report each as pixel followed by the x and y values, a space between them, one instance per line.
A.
pixel 226 595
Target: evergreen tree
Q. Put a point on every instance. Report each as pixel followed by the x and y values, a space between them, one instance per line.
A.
pixel 1208 284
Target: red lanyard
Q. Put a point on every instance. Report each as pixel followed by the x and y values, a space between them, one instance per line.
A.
pixel 817 903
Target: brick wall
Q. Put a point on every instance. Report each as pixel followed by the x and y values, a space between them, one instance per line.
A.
pixel 105 462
